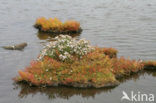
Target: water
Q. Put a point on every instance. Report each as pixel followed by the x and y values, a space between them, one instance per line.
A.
pixel 127 25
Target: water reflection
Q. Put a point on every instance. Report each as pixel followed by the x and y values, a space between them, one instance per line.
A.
pixel 58 92
pixel 67 92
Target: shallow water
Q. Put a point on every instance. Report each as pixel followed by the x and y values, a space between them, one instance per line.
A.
pixel 127 25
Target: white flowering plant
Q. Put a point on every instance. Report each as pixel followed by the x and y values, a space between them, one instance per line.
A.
pixel 65 47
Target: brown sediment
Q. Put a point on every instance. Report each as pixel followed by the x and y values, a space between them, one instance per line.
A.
pixel 76 84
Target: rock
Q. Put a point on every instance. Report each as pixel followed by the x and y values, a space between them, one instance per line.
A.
pixel 20 46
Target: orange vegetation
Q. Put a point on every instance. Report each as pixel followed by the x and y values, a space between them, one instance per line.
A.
pixel 95 69
pixel 55 25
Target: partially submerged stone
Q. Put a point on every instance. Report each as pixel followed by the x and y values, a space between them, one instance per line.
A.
pixel 20 46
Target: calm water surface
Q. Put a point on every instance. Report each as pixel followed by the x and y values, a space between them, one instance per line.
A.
pixel 127 25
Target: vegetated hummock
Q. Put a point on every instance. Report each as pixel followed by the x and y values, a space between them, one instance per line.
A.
pixel 76 63
pixel 55 26
pixel 150 65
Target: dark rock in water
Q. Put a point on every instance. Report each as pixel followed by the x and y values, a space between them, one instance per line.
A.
pixel 16 47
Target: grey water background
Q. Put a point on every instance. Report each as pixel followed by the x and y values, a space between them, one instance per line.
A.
pixel 127 25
